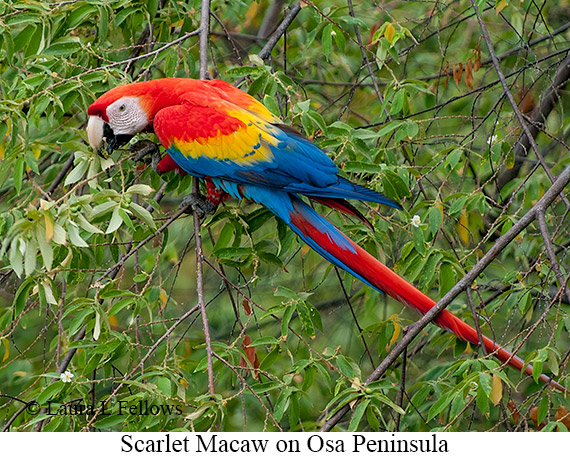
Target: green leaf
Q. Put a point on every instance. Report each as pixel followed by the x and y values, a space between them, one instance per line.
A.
pixel 458 205
pixel 363 167
pixel 86 225
pixel 345 366
pixel 326 40
pixel 446 278
pixel 271 104
pixel 482 399
pixel 282 403
pixel 116 220
pixel 542 409
pixel 389 127
pixel 286 319
pixel 50 392
pixel 435 219
pixel 224 237
pixel 395 184
pixel 16 255
pixel 372 419
pixel 143 214
pixel 80 14
pixel 418 237
pixel 453 158
pixel 103 208
pixel 485 381
pixel 64 47
pixel 92 364
pixel 77 173
pixel 140 277
pixel 398 102
pixel 263 341
pixel 45 247
pixel 22 295
pixel 442 403
pixel 75 237
pixel 294 410
pixel 266 387
pixel 305 317
pixel 18 174
pixel 30 257
pixel 357 415
pixel 165 385
pixel 421 395
pixel 109 421
pixel 239 72
pixel 268 360
pixel 234 253
pixel 139 189
pixel 537 364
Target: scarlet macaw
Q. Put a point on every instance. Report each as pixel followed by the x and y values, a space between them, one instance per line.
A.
pixel 211 129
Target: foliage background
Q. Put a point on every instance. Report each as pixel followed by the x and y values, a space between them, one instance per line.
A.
pixel 99 275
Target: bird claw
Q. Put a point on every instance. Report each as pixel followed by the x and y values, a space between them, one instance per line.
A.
pixel 147 152
pixel 197 203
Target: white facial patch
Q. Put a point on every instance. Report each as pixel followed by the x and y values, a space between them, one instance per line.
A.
pixel 95 132
pixel 126 117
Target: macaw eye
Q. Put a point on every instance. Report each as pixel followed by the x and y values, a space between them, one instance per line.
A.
pixel 122 108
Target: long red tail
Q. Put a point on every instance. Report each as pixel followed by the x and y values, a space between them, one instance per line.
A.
pixel 332 244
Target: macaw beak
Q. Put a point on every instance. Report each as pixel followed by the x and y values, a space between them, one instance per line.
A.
pixel 99 131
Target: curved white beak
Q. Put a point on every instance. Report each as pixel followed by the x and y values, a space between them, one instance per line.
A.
pixel 95 132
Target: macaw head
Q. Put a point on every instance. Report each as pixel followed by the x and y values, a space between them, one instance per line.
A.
pixel 118 115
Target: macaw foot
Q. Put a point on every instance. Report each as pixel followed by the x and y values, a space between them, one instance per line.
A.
pixel 197 203
pixel 147 152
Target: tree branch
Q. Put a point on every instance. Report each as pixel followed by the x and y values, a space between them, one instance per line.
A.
pixel 266 50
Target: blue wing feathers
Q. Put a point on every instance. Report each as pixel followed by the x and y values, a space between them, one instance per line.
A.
pixel 297 166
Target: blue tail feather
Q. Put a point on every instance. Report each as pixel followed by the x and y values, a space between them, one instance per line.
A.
pixel 303 220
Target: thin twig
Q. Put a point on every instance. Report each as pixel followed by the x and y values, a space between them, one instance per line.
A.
pixel 204 42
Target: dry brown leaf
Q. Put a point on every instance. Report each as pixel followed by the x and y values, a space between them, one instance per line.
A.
pixel 251 356
pixel 457 73
pixel 527 102
pixel 246 307
pixel 477 63
pixel 534 417
pixel 469 74
pixel 563 415
pixel 373 30
pixel 512 407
